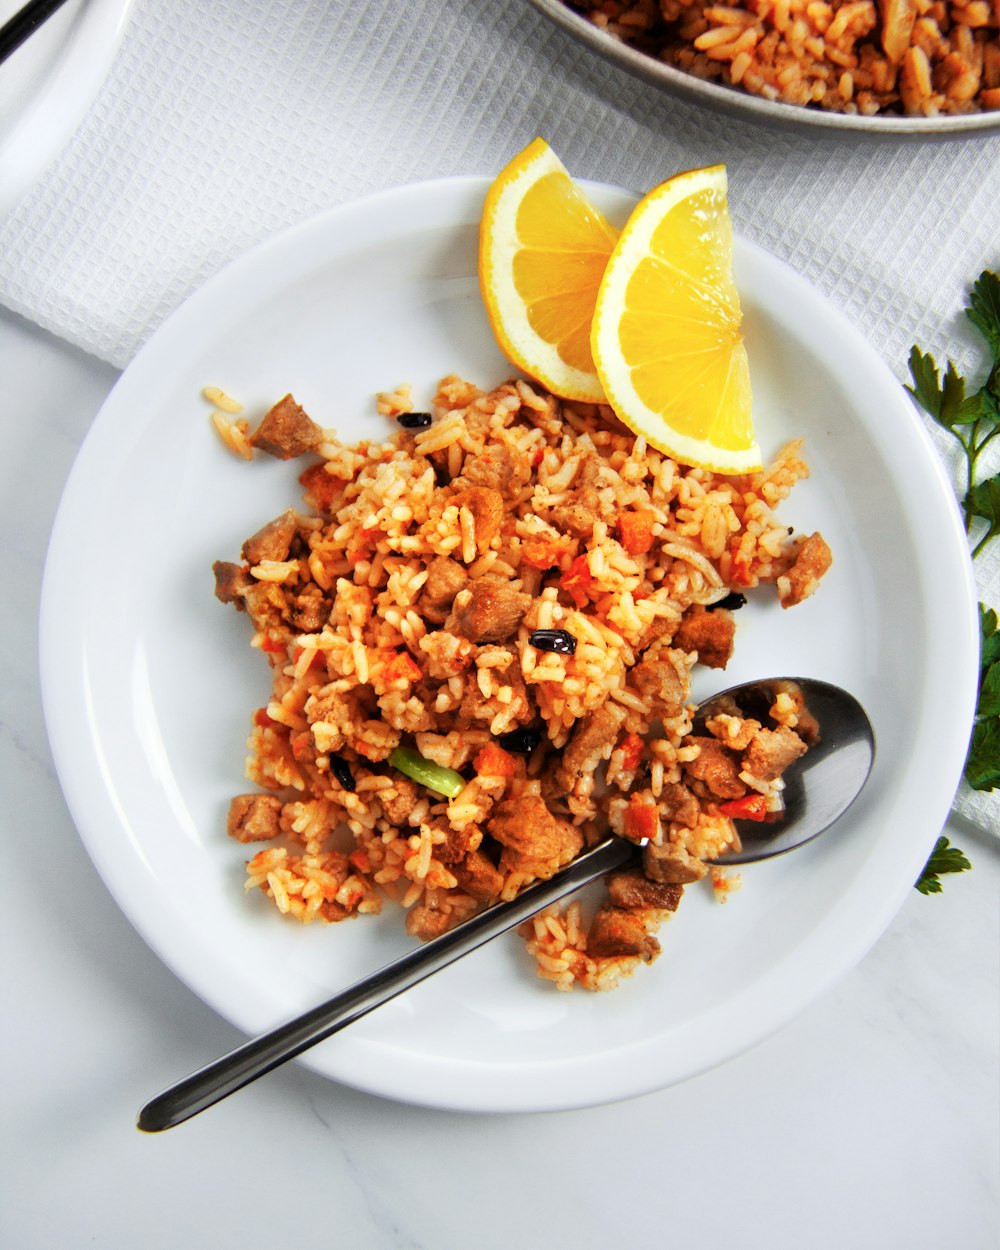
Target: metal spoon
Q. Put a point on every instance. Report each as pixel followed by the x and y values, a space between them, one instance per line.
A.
pixel 819 789
pixel 24 23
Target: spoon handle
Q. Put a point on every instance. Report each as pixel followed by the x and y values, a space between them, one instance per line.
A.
pixel 255 1058
pixel 24 23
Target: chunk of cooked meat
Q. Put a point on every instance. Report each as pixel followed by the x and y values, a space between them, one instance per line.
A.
pixel 732 729
pixel 615 931
pixel 577 519
pixel 659 627
pixel 771 751
pixel 812 560
pixel 718 768
pixel 489 610
pixel 457 843
pixel 499 468
pixel 671 865
pixel 708 633
pixel 678 805
pixel 266 605
pixel 310 610
pixel 487 508
pixel 478 707
pixel 272 542
pixel 633 890
pixel 231 580
pixel 254 817
pixel 658 678
pixel 425 922
pixel 478 876
pixel 286 431
pixel 592 740
pixel 445 578
pixel 399 800
pixel 533 839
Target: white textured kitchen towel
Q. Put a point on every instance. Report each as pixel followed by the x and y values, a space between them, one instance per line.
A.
pixel 222 123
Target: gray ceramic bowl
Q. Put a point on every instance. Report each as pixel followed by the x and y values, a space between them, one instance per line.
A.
pixel 741 104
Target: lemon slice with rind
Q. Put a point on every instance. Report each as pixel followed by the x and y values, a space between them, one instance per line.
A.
pixel 666 337
pixel 543 248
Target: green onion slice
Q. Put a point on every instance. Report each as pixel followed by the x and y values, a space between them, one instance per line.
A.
pixel 413 765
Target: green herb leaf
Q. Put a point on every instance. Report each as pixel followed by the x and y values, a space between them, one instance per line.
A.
pixel 982 768
pixel 946 401
pixel 989 692
pixel 944 858
pixel 983 309
pixel 984 501
pixel 926 388
pixel 989 647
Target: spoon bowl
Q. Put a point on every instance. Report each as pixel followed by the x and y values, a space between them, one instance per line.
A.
pixel 819 788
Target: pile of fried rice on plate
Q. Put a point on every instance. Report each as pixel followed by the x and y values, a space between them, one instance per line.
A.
pixel 480 632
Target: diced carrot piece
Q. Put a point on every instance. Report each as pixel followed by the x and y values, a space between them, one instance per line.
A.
pixel 577 580
pixel 749 807
pixel 301 744
pixel 631 748
pixel 642 820
pixel 403 667
pixel 272 646
pixel 494 761
pixel 543 553
pixel 359 859
pixel 636 530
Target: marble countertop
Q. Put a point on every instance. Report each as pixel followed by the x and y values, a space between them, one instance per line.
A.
pixel 870 1121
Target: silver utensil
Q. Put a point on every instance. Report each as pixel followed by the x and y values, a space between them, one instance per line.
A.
pixel 24 23
pixel 819 789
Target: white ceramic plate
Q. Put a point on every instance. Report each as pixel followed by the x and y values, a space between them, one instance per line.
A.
pixel 149 683
pixel 48 84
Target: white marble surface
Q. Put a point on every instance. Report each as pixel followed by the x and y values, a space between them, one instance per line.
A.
pixel 871 1121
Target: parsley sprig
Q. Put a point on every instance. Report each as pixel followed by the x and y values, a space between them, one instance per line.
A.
pixel 944 858
pixel 973 418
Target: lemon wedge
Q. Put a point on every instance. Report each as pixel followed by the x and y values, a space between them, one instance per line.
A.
pixel 666 340
pixel 543 249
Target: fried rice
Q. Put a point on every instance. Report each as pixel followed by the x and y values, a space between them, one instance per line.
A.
pixel 920 58
pixel 515 588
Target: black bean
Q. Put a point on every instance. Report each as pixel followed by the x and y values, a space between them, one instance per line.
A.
pixel 731 602
pixel 342 771
pixel 414 420
pixel 558 640
pixel 521 741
